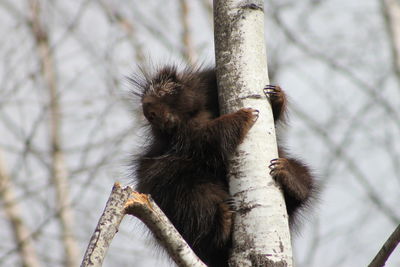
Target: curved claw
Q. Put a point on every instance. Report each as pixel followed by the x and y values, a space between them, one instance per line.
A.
pixel 272 90
pixel 255 113
pixel 232 203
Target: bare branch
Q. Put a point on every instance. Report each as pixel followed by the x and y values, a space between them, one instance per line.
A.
pixel 188 50
pixel 387 249
pixel 144 208
pixel 126 201
pixel 107 226
pixel 58 169
pixel 13 212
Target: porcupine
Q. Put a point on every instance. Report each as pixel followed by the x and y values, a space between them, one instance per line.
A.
pixel 184 166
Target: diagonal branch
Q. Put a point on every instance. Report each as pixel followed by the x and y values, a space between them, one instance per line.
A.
pixel 387 249
pixel 126 201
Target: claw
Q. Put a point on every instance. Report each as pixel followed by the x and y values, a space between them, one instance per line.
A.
pixel 255 114
pixel 272 166
pixel 272 90
pixel 232 203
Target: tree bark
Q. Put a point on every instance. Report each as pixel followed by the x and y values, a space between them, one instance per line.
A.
pixel 144 208
pixel 261 234
pixel 126 201
pixel 107 227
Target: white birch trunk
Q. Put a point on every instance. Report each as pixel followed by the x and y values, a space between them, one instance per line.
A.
pixel 261 234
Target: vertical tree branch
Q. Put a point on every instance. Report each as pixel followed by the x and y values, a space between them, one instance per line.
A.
pixel 58 169
pixel 188 50
pixel 22 235
pixel 261 233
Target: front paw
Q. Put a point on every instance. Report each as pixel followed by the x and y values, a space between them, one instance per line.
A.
pixel 251 113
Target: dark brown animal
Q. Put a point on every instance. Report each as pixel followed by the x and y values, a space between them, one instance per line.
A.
pixel 184 167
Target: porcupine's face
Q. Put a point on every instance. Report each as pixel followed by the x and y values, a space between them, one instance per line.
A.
pixel 167 101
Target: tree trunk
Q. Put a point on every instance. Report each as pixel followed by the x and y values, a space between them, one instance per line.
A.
pixel 261 234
